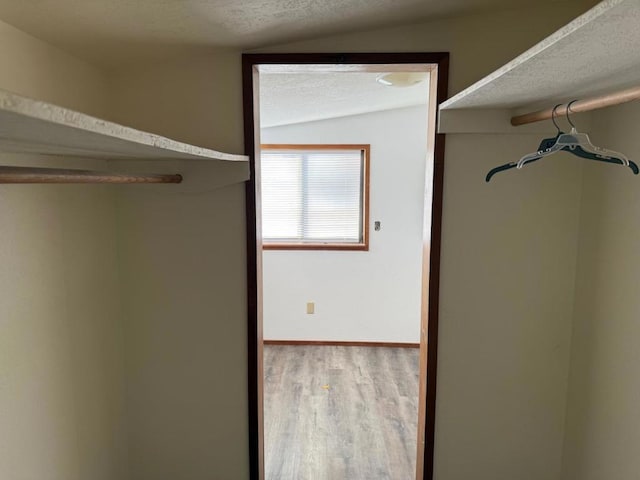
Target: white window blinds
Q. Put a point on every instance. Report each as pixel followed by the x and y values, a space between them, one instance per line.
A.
pixel 312 196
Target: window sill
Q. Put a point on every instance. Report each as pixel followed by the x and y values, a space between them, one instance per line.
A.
pixel 362 247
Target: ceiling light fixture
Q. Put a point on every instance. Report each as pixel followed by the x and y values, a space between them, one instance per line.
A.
pixel 401 79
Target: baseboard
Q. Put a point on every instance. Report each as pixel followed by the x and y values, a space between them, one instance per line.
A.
pixel 334 343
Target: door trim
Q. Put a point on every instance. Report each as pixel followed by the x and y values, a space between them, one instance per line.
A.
pixel 431 243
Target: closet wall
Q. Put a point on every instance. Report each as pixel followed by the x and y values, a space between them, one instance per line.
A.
pixel 182 259
pixel 503 361
pixel 507 280
pixel 603 425
pixel 61 358
pixel 178 309
pixel 34 68
pixel 182 280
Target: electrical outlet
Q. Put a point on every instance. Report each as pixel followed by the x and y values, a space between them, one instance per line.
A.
pixel 311 307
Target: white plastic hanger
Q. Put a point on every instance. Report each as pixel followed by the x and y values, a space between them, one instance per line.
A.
pixel 574 142
pixel 579 144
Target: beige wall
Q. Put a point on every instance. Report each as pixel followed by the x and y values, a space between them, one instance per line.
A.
pixel 503 363
pixel 603 425
pixel 183 271
pixel 508 265
pixel 61 384
pixel 194 99
pixel 182 261
pixel 504 350
pixel 35 69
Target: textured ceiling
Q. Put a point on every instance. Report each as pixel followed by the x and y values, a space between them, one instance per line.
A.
pixel 302 97
pixel 110 32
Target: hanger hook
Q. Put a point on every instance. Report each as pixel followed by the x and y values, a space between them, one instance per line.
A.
pixel 553 117
pixel 569 111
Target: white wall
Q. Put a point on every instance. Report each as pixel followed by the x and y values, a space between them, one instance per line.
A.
pixel 603 424
pixel 61 354
pixel 359 296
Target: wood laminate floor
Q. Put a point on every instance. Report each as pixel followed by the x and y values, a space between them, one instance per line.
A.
pixel 340 413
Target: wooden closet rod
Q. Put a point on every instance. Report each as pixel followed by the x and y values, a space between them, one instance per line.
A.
pixel 585 105
pixel 59 175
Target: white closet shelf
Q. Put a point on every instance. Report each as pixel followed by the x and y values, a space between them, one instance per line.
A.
pixel 597 52
pixel 31 126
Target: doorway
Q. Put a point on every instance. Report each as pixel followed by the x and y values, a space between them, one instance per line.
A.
pixel 435 65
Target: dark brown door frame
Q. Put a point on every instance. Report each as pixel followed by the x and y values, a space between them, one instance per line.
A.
pixel 432 270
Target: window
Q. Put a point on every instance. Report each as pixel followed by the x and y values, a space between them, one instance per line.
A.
pixel 315 196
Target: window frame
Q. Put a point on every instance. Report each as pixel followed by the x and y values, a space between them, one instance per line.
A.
pixel 366 161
